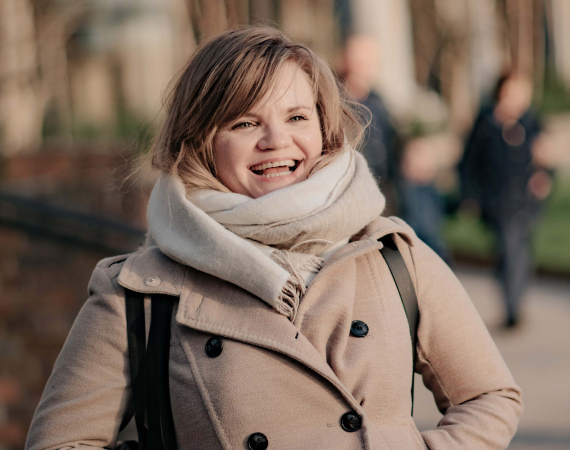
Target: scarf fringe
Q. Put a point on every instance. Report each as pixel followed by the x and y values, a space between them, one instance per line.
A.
pixel 288 301
pixel 294 288
pixel 313 264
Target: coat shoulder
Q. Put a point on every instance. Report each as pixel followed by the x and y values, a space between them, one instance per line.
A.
pixel 382 226
pixel 113 265
pixel 410 231
pixel 104 279
pixel 106 263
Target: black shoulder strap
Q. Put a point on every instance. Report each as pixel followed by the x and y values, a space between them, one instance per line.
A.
pixel 134 304
pixel 159 411
pixel 149 370
pixel 407 292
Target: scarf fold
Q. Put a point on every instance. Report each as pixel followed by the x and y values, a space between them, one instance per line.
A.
pixel 263 245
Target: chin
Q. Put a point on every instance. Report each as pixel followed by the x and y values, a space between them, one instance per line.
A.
pixel 269 187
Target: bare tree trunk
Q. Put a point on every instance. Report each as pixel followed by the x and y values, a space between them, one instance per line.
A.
pixel 426 38
pixel 526 37
pixel 21 102
pixel 560 15
pixel 212 17
pixel 238 12
pixel 263 12
pixel 441 48
pixel 52 50
pixel 520 32
pixel 325 34
pixel 311 22
pixel 453 18
pixel 539 32
pixel 185 36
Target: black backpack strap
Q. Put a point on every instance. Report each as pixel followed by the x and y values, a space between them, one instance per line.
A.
pixel 407 292
pixel 134 304
pixel 149 370
pixel 159 411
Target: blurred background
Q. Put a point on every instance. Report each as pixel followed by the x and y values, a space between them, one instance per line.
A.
pixel 81 89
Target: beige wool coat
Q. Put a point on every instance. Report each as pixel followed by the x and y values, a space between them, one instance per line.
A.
pixel 290 381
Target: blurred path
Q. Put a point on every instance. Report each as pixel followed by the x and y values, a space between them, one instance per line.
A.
pixel 538 354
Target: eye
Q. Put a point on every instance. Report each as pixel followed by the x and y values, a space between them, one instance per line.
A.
pixel 242 125
pixel 297 118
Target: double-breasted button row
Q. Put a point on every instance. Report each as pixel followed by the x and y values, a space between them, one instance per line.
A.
pixel 358 328
pixel 257 441
pixel 350 421
pixel 214 347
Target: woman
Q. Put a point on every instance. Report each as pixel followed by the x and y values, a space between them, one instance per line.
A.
pixel 263 229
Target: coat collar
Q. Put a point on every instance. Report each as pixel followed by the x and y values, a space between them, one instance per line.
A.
pixel 152 272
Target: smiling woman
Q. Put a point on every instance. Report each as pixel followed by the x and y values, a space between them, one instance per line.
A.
pixel 276 322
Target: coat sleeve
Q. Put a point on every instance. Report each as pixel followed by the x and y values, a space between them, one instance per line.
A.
pixel 460 364
pixel 89 391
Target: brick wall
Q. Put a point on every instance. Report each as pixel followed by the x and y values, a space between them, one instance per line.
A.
pixel 43 281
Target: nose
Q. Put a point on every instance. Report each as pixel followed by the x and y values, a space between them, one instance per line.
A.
pixel 274 137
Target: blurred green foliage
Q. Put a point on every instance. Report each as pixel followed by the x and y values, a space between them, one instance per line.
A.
pixel 128 128
pixel 555 95
pixel 469 236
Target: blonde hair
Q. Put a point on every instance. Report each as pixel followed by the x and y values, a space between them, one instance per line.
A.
pixel 224 79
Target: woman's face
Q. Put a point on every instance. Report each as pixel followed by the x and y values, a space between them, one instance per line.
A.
pixel 276 143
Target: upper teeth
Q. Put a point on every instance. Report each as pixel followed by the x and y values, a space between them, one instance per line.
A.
pixel 268 165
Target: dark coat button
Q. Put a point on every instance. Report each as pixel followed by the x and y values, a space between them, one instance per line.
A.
pixel 350 421
pixel 257 441
pixel 214 347
pixel 358 328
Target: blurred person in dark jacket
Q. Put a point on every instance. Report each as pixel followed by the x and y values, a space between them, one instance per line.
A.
pixel 359 69
pixel 505 179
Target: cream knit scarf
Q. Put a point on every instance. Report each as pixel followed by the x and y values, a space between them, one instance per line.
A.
pixel 250 242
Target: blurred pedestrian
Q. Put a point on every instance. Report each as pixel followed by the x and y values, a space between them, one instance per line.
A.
pixel 359 69
pixel 504 178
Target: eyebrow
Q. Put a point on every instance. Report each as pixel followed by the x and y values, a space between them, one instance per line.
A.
pixel 288 111
pixel 298 107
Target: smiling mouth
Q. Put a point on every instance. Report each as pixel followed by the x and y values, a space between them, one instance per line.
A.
pixel 275 168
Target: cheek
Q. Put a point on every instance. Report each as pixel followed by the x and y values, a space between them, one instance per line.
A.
pixel 226 156
pixel 311 141
pixel 315 142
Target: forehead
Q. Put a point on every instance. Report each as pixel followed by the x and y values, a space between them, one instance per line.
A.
pixel 291 87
